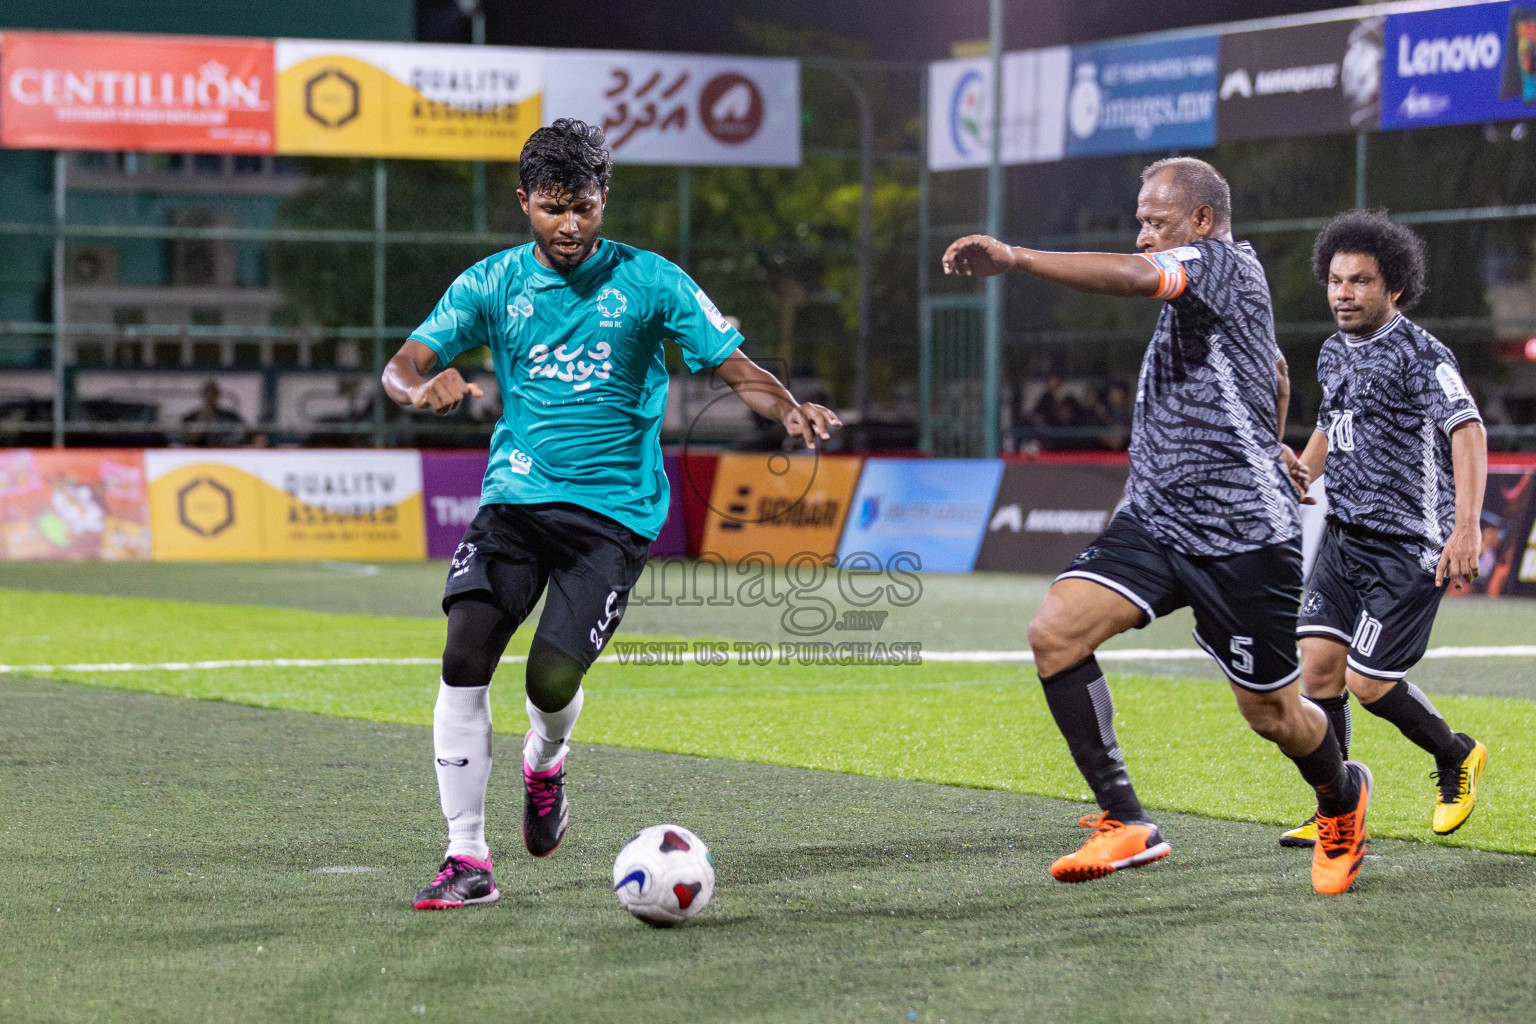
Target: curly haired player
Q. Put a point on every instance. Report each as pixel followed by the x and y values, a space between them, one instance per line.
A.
pixel 1406 458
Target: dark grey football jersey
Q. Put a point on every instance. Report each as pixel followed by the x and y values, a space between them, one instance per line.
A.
pixel 1390 402
pixel 1206 476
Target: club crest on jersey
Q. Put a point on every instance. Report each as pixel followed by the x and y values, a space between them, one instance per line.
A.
pixel 611 304
pixel 522 307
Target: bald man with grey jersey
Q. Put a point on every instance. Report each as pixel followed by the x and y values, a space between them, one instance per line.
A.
pixel 1211 521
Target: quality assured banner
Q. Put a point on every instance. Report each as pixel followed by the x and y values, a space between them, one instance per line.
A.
pixel 1306 80
pixel 150 93
pixel 428 101
pixel 1034 109
pixel 675 109
pixel 1460 65
pixel 76 505
pixel 241 505
pixel 1139 97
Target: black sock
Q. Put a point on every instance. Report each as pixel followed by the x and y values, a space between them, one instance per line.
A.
pixel 1079 701
pixel 1324 770
pixel 1337 710
pixel 1406 707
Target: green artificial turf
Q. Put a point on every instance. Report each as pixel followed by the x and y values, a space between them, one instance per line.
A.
pixel 161 860
pixel 981 725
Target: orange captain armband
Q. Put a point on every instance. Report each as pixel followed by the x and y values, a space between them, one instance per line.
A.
pixel 1170 271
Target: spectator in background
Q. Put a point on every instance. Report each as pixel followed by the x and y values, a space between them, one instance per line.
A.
pixel 1047 412
pixel 1117 409
pixel 211 425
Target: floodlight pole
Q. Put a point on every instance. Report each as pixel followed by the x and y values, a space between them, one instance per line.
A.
pixel 477 169
pixel 992 356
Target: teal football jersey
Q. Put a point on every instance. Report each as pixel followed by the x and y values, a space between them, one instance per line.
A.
pixel 580 365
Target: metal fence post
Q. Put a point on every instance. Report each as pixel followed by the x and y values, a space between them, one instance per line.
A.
pixel 924 313
pixel 380 224
pixel 684 215
pixel 991 369
pixel 60 186
pixel 1360 170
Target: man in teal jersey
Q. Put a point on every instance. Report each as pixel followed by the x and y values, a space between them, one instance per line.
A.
pixel 575 490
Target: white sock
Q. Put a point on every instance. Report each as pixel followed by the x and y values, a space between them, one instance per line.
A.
pixel 461 741
pixel 549 740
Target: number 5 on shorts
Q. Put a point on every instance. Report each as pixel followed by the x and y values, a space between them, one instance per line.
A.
pixel 1242 657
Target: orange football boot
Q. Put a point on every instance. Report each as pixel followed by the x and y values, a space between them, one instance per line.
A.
pixel 1340 848
pixel 1113 846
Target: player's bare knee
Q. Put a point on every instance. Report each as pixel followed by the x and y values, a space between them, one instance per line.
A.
pixel 1055 648
pixel 1268 718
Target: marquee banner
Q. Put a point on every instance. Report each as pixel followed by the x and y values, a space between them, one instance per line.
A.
pixel 254 505
pixel 62 90
pixel 429 101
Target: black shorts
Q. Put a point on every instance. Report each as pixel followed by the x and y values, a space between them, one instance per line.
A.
pixel 1376 595
pixel 588 561
pixel 1244 605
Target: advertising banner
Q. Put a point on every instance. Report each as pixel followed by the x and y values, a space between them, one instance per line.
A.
pixel 450 483
pixel 1046 514
pixel 1034 109
pixel 1508 562
pixel 932 510
pixel 76 505
pixel 1138 97
pixel 1460 65
pixel 423 100
pixel 253 505
pixel 1306 80
pixel 677 109
pixel 779 505
pixel 672 541
pixel 63 90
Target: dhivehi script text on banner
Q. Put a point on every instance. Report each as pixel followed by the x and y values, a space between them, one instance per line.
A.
pixel 66 90
pixel 676 109
pixel 432 101
pixel 251 505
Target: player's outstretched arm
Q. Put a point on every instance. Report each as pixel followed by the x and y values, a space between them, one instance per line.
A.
pixel 1469 465
pixel 1102 273
pixel 406 381
pixel 770 399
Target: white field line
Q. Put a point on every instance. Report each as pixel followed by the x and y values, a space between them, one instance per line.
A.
pixel 1126 654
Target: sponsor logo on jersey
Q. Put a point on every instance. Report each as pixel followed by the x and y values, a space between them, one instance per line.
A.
pixel 520 462
pixel 1451 383
pixel 712 311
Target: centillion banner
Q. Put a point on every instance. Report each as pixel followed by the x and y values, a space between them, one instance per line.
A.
pixel 408 100
pixel 241 505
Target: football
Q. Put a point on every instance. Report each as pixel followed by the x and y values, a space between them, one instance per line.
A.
pixel 664 875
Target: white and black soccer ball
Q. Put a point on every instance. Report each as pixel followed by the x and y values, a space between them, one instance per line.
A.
pixel 664 875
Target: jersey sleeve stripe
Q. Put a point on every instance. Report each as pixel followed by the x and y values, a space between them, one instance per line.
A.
pixel 1170 283
pixel 1461 417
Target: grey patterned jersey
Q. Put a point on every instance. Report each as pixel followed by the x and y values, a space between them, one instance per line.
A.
pixel 1390 402
pixel 1206 476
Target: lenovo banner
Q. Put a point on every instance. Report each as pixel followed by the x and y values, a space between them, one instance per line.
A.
pixel 152 93
pixel 1307 80
pixel 669 108
pixel 1045 514
pixel 1460 65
